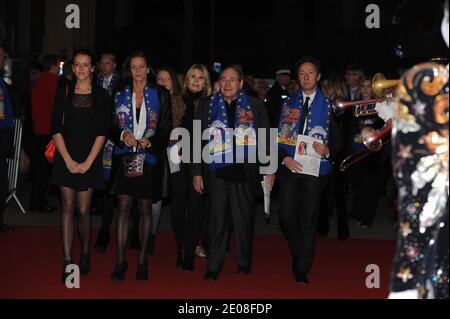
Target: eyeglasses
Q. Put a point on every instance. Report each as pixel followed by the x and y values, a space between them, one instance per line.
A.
pixel 231 81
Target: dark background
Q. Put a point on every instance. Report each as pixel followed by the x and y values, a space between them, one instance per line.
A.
pixel 260 35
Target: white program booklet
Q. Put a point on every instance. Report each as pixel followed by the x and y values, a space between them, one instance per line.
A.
pixel 307 156
pixel 174 158
pixel 267 191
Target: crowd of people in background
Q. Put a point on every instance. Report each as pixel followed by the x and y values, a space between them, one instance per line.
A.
pixel 136 107
pixel 111 130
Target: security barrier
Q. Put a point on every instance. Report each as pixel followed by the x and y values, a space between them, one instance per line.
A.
pixel 13 164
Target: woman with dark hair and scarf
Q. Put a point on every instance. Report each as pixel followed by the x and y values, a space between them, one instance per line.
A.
pixel 167 78
pixel 144 122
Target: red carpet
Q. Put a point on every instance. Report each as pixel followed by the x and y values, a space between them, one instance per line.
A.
pixel 31 265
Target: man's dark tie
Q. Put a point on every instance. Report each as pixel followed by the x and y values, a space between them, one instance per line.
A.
pixel 304 114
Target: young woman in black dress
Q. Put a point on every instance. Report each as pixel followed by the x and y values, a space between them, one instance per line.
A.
pixel 143 118
pixel 80 121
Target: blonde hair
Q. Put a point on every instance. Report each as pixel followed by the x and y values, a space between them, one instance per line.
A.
pixel 202 68
pixel 335 88
pixel 359 91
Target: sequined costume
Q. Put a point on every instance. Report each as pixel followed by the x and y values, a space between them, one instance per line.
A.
pixel 420 163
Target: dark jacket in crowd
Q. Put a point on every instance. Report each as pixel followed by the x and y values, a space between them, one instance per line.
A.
pixel 335 144
pixel 275 102
pixel 251 170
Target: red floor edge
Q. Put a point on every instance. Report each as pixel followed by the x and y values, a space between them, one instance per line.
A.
pixel 31 266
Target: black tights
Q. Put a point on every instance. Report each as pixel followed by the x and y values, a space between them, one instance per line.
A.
pixel 83 199
pixel 145 211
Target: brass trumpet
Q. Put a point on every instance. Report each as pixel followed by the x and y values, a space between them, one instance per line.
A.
pixel 354 158
pixel 374 142
pixel 379 87
pixel 361 108
pixel 380 84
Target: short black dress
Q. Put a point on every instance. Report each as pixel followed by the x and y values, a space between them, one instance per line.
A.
pixel 137 187
pixel 80 120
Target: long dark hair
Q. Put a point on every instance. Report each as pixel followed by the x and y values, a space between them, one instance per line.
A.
pixel 126 67
pixel 83 52
pixel 173 76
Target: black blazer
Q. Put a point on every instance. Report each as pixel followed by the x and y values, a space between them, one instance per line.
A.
pixel 275 103
pixel 335 144
pixel 252 175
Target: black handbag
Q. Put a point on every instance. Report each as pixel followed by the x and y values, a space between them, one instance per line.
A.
pixel 133 163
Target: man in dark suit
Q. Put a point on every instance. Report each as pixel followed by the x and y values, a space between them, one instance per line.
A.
pixel 307 112
pixel 231 184
pixel 277 93
pixel 105 201
pixel 108 77
pixel 354 74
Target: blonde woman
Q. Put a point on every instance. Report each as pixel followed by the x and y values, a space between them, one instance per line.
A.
pixel 334 88
pixel 368 176
pixel 197 81
pixel 186 203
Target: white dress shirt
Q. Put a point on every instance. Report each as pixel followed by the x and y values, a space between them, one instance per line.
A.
pixel 106 81
pixel 353 92
pixel 138 127
pixel 311 100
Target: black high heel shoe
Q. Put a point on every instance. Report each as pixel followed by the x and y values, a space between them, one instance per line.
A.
pixel 118 274
pixel 188 263
pixel 85 264
pixel 65 273
pixel 142 271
